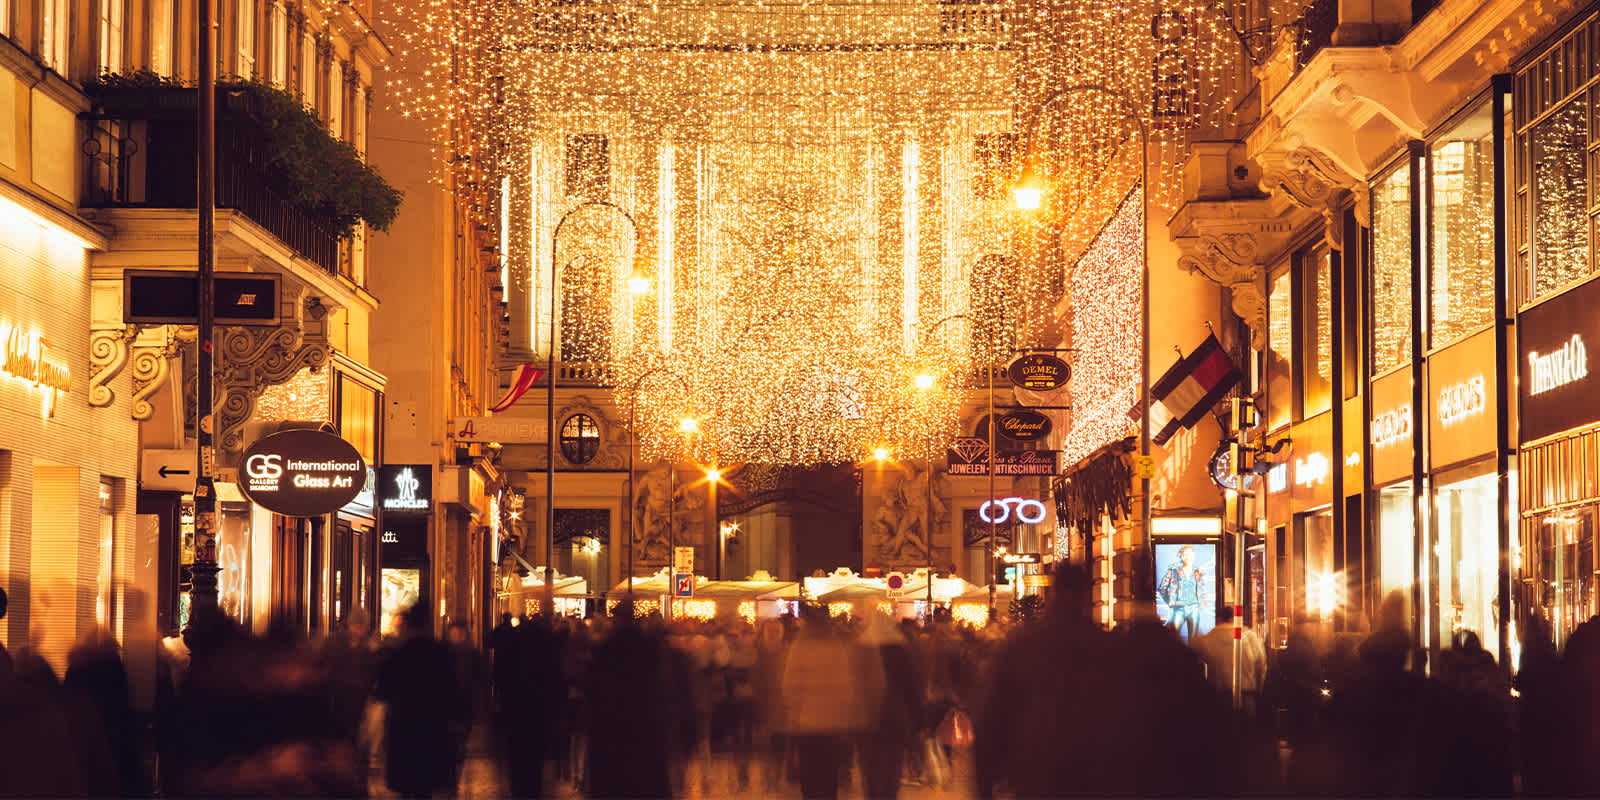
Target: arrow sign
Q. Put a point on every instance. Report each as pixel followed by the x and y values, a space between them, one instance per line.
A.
pixel 167 470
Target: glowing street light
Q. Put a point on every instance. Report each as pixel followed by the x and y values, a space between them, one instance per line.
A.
pixel 638 284
pixel 881 454
pixel 924 382
pixel 688 425
pixel 1028 193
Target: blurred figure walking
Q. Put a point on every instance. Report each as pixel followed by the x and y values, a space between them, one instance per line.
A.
pixel 426 706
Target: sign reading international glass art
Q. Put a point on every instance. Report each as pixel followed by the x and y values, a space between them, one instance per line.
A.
pixel 302 473
pixel 1039 372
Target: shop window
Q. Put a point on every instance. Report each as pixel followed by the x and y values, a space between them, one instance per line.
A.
pixel 1560 206
pixel 1280 350
pixel 161 12
pixel 580 439
pixel 54 567
pixel 1282 586
pixel 1316 332
pixel 1461 267
pixel 358 411
pixel 1323 596
pixel 582 544
pixel 1391 270
pixel 234 552
pixel 1396 542
pixel 1558 569
pixel 1468 555
pixel 105 601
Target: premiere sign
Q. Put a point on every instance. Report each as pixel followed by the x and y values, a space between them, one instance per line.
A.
pixel 302 473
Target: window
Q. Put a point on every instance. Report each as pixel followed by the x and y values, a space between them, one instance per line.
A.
pixel 278 64
pixel 104 599
pixel 1316 332
pixel 580 439
pixel 55 28
pixel 308 69
pixel 336 97
pixel 161 36
pixel 1560 208
pixel 245 65
pixel 112 13
pixel 588 167
pixel 1323 588
pixel 1396 538
pixel 1391 270
pixel 1280 350
pixel 1468 554
pixel 1461 165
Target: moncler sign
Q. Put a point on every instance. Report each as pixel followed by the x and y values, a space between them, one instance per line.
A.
pixel 405 488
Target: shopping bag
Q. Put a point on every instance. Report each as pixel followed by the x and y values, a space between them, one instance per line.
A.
pixel 956 729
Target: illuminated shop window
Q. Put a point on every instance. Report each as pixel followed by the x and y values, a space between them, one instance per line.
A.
pixel 1560 207
pixel 1280 350
pixel 1391 270
pixel 1462 221
pixel 1316 333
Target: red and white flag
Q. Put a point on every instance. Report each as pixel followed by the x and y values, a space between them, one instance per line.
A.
pixel 1188 390
pixel 521 382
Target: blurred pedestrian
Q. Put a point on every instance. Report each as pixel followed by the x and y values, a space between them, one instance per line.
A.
pixel 899 709
pixel 828 690
pixel 630 716
pixel 418 682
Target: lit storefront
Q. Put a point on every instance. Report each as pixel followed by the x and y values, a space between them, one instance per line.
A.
pixel 1553 250
pixel 405 493
pixel 69 557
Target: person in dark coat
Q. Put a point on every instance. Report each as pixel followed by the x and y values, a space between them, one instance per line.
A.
pixel 96 674
pixel 417 680
pixel 629 698
pixel 888 740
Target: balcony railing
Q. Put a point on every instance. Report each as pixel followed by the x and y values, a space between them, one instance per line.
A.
pixel 141 154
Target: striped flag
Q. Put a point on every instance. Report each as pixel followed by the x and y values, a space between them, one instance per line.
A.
pixel 521 382
pixel 1190 389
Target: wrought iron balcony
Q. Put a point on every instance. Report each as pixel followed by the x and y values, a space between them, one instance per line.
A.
pixel 140 153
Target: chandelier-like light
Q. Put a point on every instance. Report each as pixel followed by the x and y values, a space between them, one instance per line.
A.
pixel 818 189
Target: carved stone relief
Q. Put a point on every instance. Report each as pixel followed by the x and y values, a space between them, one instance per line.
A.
pixel 249 360
pixel 899 530
pixel 108 354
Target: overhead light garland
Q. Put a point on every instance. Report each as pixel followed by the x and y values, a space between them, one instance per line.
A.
pixel 818 187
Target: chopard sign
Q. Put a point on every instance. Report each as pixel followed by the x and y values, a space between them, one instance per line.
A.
pixel 1024 425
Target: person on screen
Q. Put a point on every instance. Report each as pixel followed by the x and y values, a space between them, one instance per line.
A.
pixel 1183 590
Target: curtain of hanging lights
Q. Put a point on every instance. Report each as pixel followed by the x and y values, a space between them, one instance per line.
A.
pixel 816 212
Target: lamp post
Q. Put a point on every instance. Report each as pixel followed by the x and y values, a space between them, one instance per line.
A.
pixel 633 445
pixel 550 400
pixel 1029 194
pixel 713 477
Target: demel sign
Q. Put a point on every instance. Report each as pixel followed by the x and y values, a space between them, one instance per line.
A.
pixel 302 473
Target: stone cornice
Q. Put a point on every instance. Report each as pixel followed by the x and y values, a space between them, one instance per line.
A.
pixel 1233 243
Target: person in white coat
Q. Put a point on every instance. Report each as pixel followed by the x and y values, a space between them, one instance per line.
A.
pixel 1216 648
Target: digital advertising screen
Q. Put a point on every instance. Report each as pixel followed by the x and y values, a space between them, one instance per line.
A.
pixel 1186 587
pixel 401 589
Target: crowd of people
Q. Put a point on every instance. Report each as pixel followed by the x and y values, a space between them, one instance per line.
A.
pixel 626 706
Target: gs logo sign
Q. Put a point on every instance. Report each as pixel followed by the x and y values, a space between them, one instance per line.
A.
pixel 264 467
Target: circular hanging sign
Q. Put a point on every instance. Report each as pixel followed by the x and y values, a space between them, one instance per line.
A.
pixel 1039 372
pixel 1024 425
pixel 301 473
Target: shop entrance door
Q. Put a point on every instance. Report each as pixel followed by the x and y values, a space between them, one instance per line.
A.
pixel 1563 570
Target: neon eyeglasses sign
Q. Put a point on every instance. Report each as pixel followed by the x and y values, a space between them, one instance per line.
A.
pixel 1026 510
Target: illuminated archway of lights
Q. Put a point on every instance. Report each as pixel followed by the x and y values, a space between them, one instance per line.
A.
pixel 819 187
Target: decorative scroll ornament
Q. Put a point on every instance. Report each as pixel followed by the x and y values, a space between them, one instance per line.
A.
pixel 108 354
pixel 151 363
pixel 252 359
pixel 1229 260
pixel 1303 175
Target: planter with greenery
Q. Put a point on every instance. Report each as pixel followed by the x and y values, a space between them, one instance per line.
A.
pixel 315 170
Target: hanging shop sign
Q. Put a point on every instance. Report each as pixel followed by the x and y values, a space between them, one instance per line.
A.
pixel 1024 425
pixel 1039 372
pixel 1554 383
pixel 999 511
pixel 405 488
pixel 27 356
pixel 302 473
pixel 497 430
pixel 969 455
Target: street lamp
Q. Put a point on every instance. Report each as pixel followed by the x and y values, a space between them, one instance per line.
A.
pixel 1029 194
pixel 550 399
pixel 714 477
pixel 633 445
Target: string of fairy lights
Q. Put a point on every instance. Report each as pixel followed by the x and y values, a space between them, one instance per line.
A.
pixel 823 249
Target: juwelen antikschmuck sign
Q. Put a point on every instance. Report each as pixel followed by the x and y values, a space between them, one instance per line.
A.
pixel 302 473
pixel 1554 382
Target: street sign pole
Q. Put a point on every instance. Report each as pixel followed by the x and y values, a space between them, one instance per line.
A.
pixel 205 567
